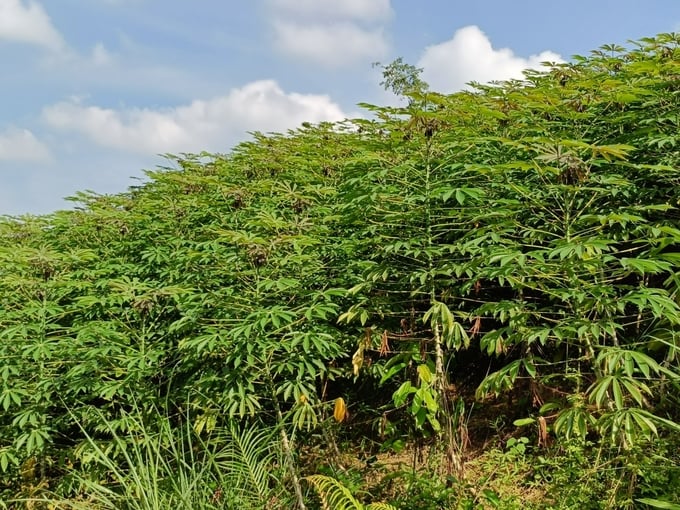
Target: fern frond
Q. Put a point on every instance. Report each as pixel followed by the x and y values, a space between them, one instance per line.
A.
pixel 246 462
pixel 380 506
pixel 334 495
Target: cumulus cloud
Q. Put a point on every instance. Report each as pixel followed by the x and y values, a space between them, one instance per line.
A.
pixel 28 23
pixel 330 33
pixel 367 10
pixel 213 124
pixel 469 56
pixel 333 45
pixel 21 145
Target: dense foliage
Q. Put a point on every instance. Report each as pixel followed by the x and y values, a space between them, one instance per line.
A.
pixel 511 252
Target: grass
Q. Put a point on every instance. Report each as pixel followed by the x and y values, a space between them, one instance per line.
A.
pixel 161 466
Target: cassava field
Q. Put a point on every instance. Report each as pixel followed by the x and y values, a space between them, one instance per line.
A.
pixel 469 301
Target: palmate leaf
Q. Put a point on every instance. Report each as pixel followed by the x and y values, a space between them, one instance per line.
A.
pixel 656 301
pixel 632 363
pixel 304 416
pixel 627 426
pixel 453 333
pixel 574 422
pixel 502 380
pixel 613 152
pixel 646 266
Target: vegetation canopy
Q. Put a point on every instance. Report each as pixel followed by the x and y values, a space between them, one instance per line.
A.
pixel 476 294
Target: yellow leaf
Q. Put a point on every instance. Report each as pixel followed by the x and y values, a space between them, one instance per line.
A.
pixel 358 357
pixel 358 360
pixel 340 411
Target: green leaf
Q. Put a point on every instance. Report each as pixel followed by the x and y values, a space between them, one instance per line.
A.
pixel 424 374
pixel 657 503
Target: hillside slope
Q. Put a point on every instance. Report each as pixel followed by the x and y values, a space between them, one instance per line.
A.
pixel 512 248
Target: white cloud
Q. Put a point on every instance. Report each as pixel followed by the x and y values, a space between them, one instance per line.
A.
pixel 315 10
pixel 100 55
pixel 79 66
pixel 28 24
pixel 469 56
pixel 334 45
pixel 21 145
pixel 331 33
pixel 213 125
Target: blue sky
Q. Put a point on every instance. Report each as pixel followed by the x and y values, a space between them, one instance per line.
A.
pixel 94 90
